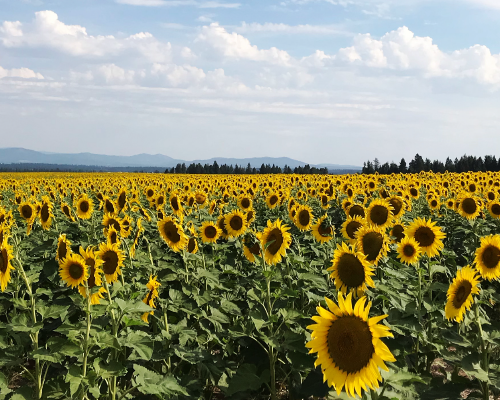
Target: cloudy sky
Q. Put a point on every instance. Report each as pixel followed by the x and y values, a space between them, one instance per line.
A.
pixel 322 81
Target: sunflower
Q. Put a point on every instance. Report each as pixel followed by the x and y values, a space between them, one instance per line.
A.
pixel 349 346
pixel 372 242
pixel 126 224
pixel 173 234
pixel 5 266
pixel 251 250
pixel 494 209
pixel 65 208
pixel 28 212
pixel 427 234
pixel 245 202
pixel 109 220
pixel 113 236
pixel 235 223
pixel 398 232
pixel 112 259
pixel 398 206
pixel 351 226
pixel 408 250
pixel 356 210
pixel 272 200
pixel 73 270
pixel 487 258
pixel 209 232
pixel 379 213
pixel 121 199
pixel 322 231
pixel 222 226
pixel 250 216
pixel 192 246
pixel 152 295
pixel 46 214
pixel 350 270
pixel 138 234
pixel 95 279
pixel 275 240
pixel 84 207
pixel 460 293
pixel 63 248
pixel 213 206
pixel 201 198
pixel 109 206
pixel 303 217
pixel 434 203
pixel 176 205
pixel 468 207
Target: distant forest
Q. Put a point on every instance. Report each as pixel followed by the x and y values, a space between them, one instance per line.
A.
pixel 215 168
pixel 418 164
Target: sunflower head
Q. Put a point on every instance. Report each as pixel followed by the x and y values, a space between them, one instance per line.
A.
pixel 272 200
pixel 487 258
pixel 28 212
pixel 6 255
pixel 351 226
pixel 398 232
pixel 494 209
pixel 73 270
pixel 235 223
pixel 459 296
pixel 322 231
pixel 408 250
pixel 380 213
pixel 372 242
pixel 172 233
pixel 275 240
pixel 63 248
pixel 303 217
pixel 84 207
pixel 427 234
pixel 209 232
pixel 469 207
pixel 112 260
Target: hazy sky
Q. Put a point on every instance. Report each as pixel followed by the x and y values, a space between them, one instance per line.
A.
pixel 322 81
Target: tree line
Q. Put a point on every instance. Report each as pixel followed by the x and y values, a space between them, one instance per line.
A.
pixel 215 168
pixel 418 164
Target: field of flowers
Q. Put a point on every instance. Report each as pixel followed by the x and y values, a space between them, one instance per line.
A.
pixel 149 286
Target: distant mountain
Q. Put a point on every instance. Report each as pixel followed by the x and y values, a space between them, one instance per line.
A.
pixel 16 155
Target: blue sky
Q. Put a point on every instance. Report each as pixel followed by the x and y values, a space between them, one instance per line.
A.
pixel 323 81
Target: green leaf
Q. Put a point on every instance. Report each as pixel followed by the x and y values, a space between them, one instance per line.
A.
pixel 141 343
pixel 230 308
pixel 218 316
pixel 114 368
pixel 245 379
pixel 152 383
pixel 74 378
pixel 129 307
pixel 45 355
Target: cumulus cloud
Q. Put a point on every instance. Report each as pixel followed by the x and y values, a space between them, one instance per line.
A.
pixel 47 31
pixel 402 50
pixel 24 73
pixel 235 46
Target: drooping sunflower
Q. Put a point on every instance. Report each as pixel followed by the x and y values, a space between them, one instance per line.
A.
pixel 112 260
pixel 398 232
pixel 65 208
pixel 322 231
pixel 398 206
pixel 487 258
pixel 350 270
pixel 192 246
pixel 303 217
pixel 84 207
pixel 427 234
pixel 460 293
pixel 63 248
pixel 372 242
pixel 173 234
pixel 109 220
pixel 152 295
pixel 235 223
pixel 408 250
pixel 73 270
pixel 356 210
pixel 349 346
pixel 6 255
pixel 468 207
pixel 176 205
pixel 251 250
pixel 379 213
pixel 209 232
pixel 46 214
pixel 95 279
pixel 351 226
pixel 126 223
pixel 222 226
pixel 113 236
pixel 121 199
pixel 109 206
pixel 275 240
pixel 250 216
pixel 201 198
pixel 494 209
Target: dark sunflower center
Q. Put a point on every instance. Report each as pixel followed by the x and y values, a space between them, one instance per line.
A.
pixel 171 232
pixel 372 244
pixel 324 200
pixel 62 251
pixel 113 237
pixel 26 211
pixel 304 217
pixel 495 209
pixel 357 210
pixel 469 206
pixel 408 250
pixel 350 192
pixel 160 200
pixel 352 227
pixel 44 213
pixel 191 245
pixel 414 192
pixel 434 203
pixel 109 207
pixel 398 232
pixel 273 200
pixel 122 199
pixel 245 203
pixel 424 236
pixel 379 214
pixel 174 203
pixel 3 261
pixel 110 259
pixel 222 227
pixel 276 237
pixel 84 206
pixel 114 223
pixel 249 216
pixel 397 205
pixel 472 188
pixel 461 294
pixel 200 198
pixel 236 223
pixel 350 344
pixel 75 270
pixel 150 193
pixel 491 196
pixel 91 263
pixel 491 257
pixel 324 230
pixel 210 232
pixel 255 249
pixel 350 270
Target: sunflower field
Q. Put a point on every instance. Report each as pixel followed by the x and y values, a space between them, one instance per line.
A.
pixel 148 286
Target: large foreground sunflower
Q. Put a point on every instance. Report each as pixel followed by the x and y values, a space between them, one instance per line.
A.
pixel 303 217
pixel 5 265
pixel 112 259
pixel 275 240
pixel 372 242
pixel 73 270
pixel 427 234
pixel 173 234
pixel 350 270
pixel 235 223
pixel 494 209
pixel 380 213
pixel 468 207
pixel 487 258
pixel 460 294
pixel 349 346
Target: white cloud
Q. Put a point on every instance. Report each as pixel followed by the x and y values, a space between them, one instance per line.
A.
pixel 179 3
pixel 269 27
pixel 23 73
pixel 235 46
pixel 206 18
pixel 47 31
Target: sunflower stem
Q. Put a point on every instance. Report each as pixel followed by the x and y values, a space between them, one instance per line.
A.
pixel 484 353
pixel 87 335
pixel 112 386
